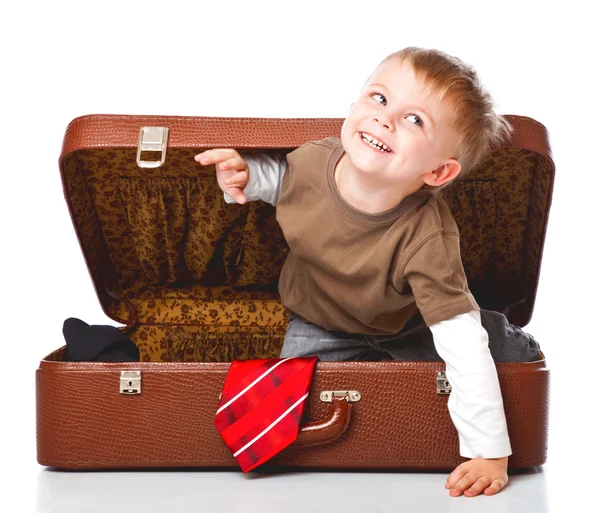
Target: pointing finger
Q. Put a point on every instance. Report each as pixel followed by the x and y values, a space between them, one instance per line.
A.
pixel 214 156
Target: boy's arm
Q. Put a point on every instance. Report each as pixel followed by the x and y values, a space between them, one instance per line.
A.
pixel 246 178
pixel 475 405
pixel 436 277
pixel 265 175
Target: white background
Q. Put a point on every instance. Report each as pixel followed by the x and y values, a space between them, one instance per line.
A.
pixel 60 60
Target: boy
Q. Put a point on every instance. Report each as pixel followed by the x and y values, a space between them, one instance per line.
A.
pixel 371 242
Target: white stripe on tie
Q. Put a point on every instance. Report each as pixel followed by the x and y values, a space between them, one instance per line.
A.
pixel 271 426
pixel 252 384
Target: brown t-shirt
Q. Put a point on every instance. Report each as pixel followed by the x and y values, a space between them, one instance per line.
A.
pixel 365 273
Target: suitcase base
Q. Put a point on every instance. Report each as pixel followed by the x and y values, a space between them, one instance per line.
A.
pixel 85 422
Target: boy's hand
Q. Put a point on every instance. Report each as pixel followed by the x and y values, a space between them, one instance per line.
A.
pixel 232 171
pixel 478 475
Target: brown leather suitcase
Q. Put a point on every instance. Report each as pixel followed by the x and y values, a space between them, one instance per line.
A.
pixel 194 282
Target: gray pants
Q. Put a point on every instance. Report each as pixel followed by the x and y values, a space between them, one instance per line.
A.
pixel 508 343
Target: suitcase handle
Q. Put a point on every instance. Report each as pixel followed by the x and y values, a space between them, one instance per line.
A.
pixel 327 430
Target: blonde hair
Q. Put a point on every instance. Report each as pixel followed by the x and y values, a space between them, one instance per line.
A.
pixel 477 127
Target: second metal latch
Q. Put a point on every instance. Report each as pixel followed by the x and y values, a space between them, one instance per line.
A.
pixel 443 385
pixel 352 396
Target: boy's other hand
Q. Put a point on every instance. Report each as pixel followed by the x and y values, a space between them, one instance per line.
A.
pixel 478 475
pixel 232 171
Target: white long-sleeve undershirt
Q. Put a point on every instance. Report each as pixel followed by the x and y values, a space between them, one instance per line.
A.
pixel 475 403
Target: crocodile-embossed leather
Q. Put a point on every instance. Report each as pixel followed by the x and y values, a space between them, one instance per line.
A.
pixel 400 422
pixel 114 131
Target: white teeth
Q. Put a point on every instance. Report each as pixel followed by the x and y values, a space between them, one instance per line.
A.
pixel 375 143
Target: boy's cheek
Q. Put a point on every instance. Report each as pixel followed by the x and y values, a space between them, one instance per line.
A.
pixel 345 127
pixel 345 133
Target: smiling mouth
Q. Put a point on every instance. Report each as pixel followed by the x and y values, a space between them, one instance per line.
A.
pixel 374 143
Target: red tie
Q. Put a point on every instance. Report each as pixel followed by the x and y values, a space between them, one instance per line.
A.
pixel 261 406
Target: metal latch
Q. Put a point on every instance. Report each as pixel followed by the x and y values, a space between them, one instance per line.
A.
pixel 352 396
pixel 131 382
pixel 152 139
pixel 443 385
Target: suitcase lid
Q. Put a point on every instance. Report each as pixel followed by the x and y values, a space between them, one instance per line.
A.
pixel 160 238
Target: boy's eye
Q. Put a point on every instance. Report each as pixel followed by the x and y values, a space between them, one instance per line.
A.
pixel 379 98
pixel 415 119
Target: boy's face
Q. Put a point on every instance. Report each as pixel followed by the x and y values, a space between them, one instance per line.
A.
pixel 396 131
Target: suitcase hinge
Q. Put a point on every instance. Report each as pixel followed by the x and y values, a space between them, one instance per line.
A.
pixel 152 139
pixel 443 385
pixel 352 396
pixel 131 382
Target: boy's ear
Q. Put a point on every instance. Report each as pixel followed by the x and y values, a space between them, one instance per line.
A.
pixel 442 174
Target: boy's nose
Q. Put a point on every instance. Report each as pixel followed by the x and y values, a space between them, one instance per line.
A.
pixel 385 123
